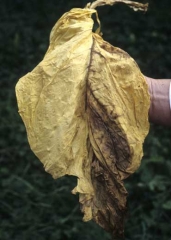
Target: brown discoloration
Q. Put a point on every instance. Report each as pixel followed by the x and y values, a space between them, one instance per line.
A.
pixel 114 50
pixel 111 151
pixel 112 154
pixel 109 214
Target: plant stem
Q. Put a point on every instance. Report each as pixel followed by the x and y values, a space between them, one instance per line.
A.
pixel 135 5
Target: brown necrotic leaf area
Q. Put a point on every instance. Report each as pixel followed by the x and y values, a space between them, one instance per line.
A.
pixel 112 94
pixel 110 147
pixel 85 108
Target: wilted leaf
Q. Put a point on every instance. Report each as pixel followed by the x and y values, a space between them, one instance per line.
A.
pixel 85 108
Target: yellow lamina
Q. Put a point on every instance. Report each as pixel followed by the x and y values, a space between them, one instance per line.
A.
pixel 85 108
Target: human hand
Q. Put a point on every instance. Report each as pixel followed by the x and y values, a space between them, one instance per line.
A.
pixel 160 110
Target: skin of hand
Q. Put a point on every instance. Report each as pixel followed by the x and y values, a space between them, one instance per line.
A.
pixel 160 112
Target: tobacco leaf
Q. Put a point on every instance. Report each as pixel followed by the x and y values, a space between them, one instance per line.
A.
pixel 85 109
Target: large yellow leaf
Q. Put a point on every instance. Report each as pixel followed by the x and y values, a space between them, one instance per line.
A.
pixel 85 108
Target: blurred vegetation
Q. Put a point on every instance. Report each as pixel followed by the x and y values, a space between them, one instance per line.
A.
pixel 33 206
